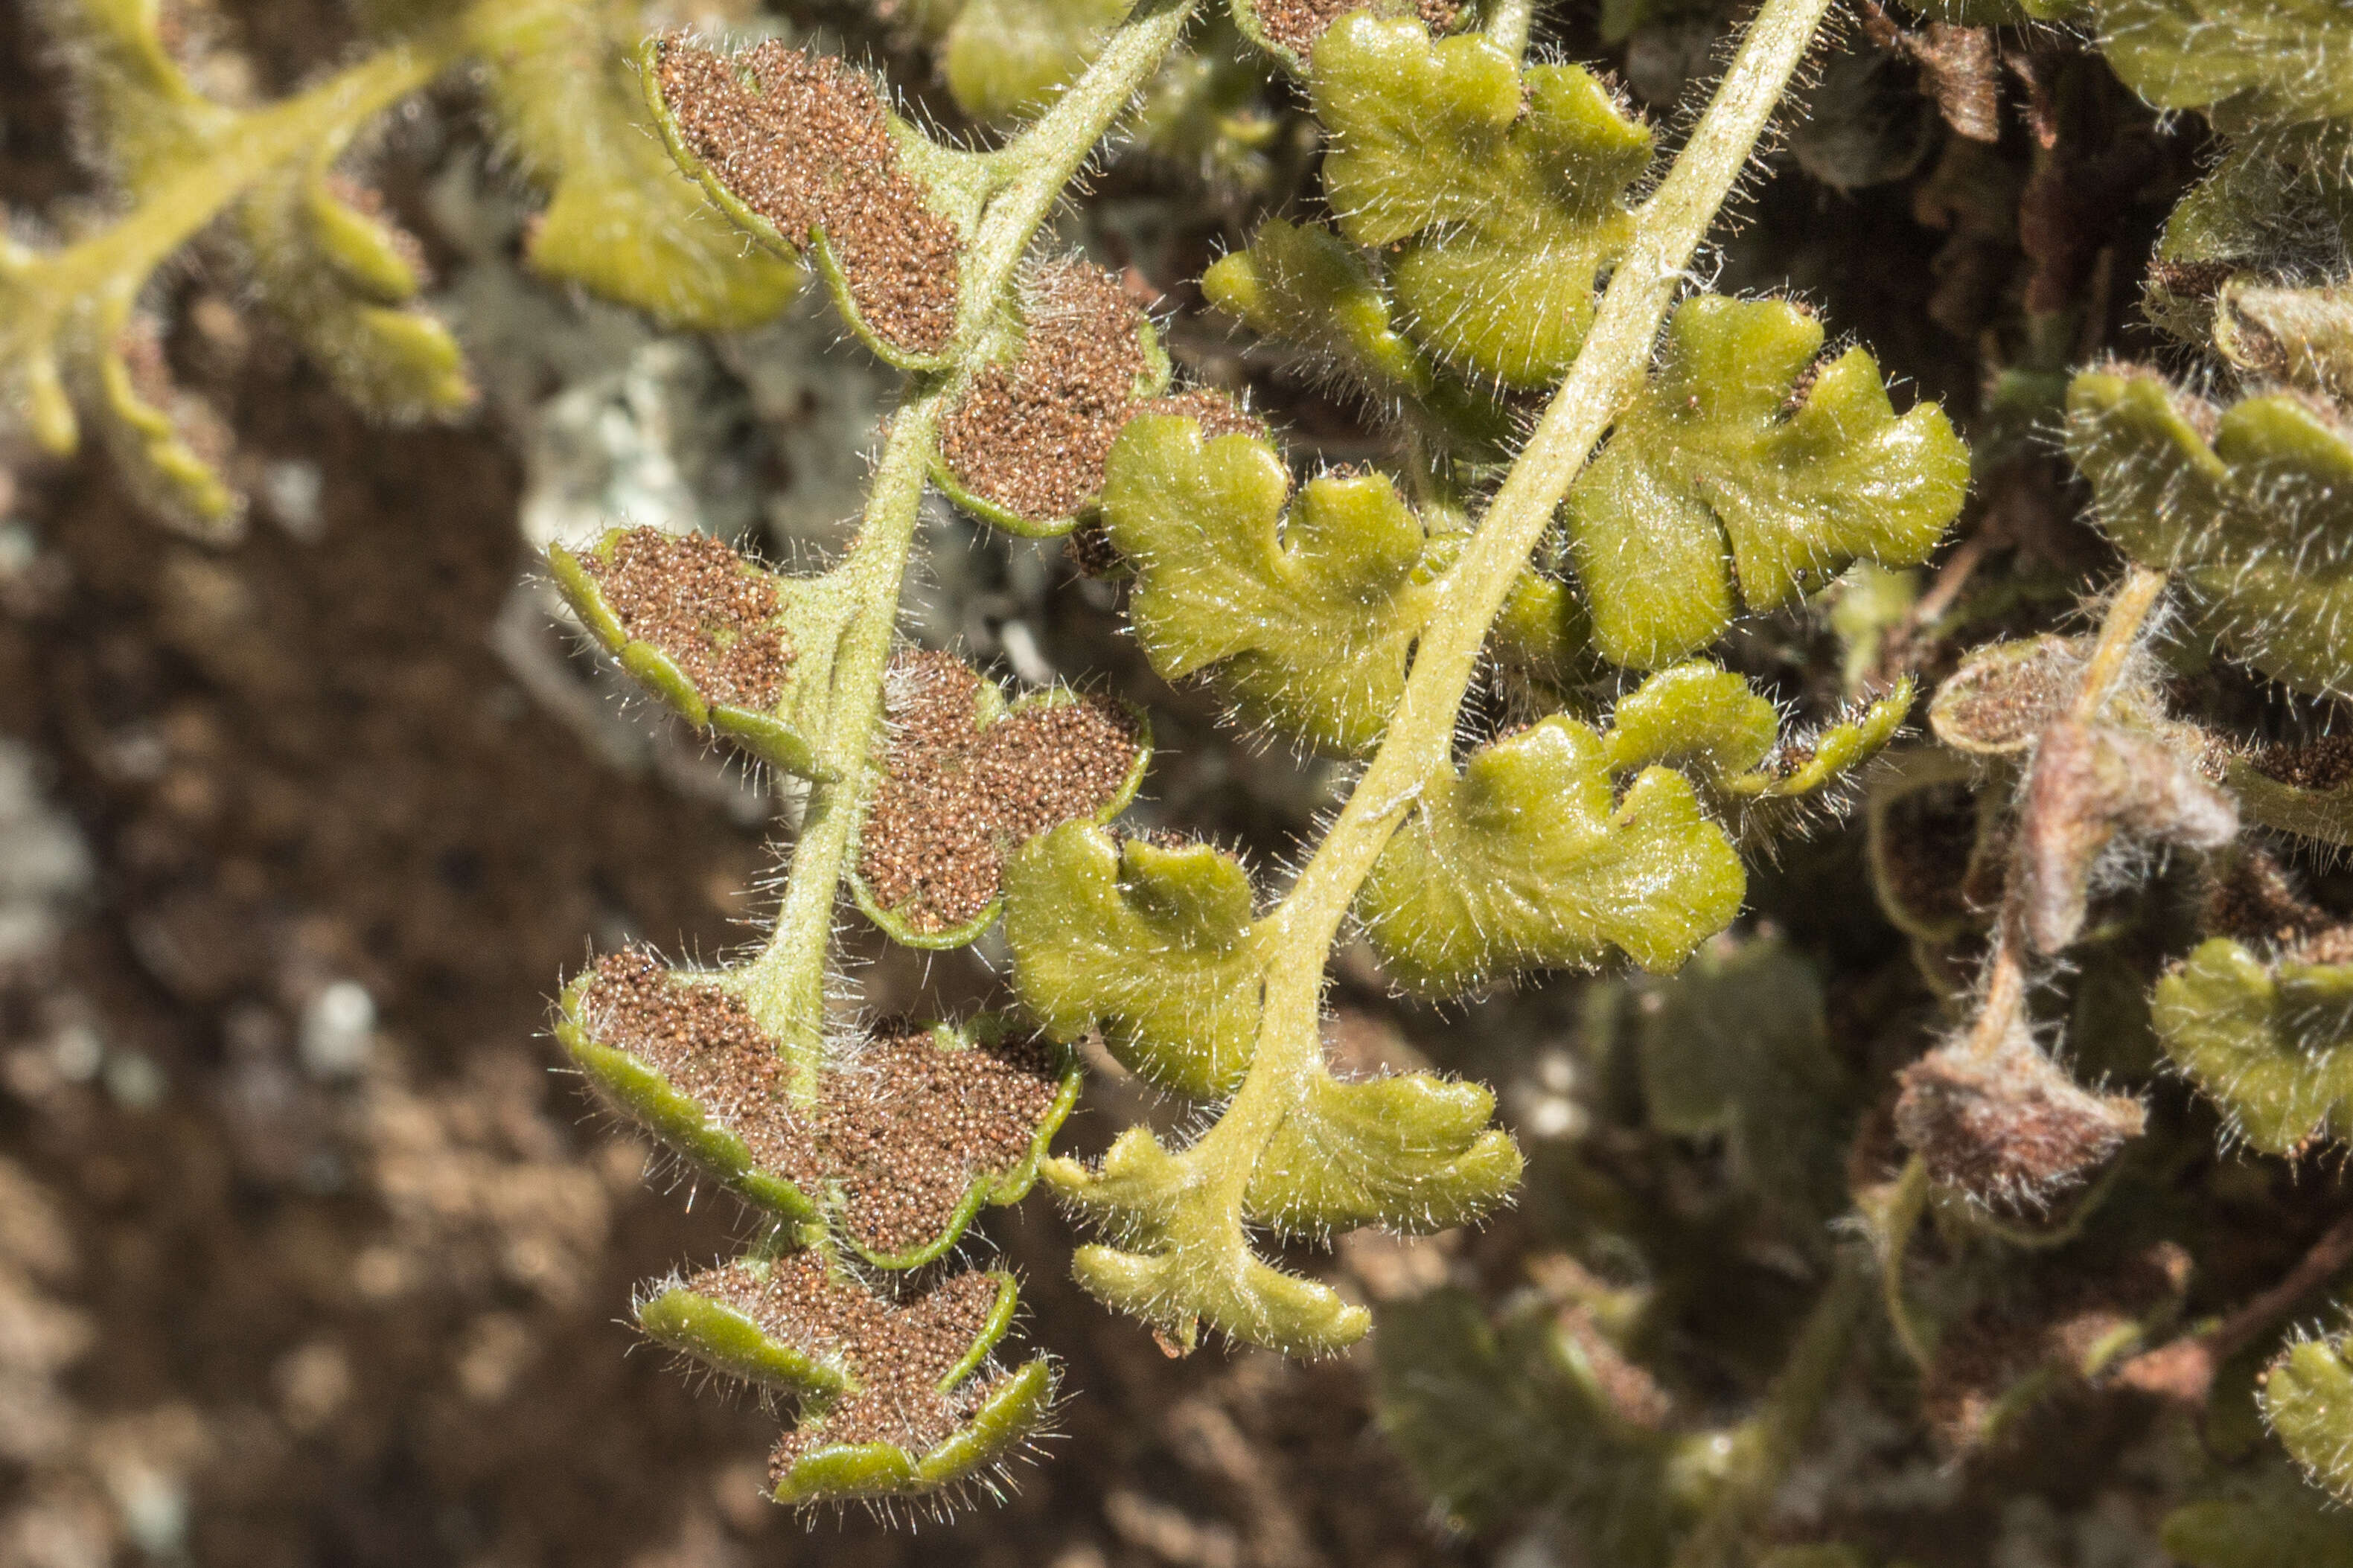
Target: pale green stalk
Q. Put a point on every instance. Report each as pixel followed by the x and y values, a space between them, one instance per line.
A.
pixel 1509 22
pixel 785 986
pixel 1608 371
pixel 1763 1447
pixel 2004 986
pixel 1905 1206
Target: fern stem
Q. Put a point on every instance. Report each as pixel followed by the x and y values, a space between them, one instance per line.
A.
pixel 1039 164
pixel 2004 989
pixel 1764 1445
pixel 1509 23
pixel 1608 374
pixel 2120 632
pixel 1419 740
pixel 1904 1206
pixel 784 986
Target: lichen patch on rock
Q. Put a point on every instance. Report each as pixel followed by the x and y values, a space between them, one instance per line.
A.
pixel 807 146
pixel 699 603
pixel 899 1350
pixel 956 797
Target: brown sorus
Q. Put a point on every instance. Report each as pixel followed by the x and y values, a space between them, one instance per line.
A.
pixel 699 602
pixel 808 147
pixel 2251 898
pixel 2060 1324
pixel 1922 852
pixel 1032 436
pixel 2325 763
pixel 704 1040
pixel 900 1351
pixel 1297 24
pixel 902 1126
pixel 1217 414
pixel 909 1127
pixel 957 798
pixel 2001 701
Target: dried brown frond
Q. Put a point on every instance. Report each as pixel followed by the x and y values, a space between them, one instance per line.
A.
pixel 2012 1130
pixel 2090 784
pixel 2065 1325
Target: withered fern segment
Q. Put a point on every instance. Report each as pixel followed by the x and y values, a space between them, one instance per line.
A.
pixel 2008 1127
pixel 2050 1333
pixel 2004 694
pixel 273 193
